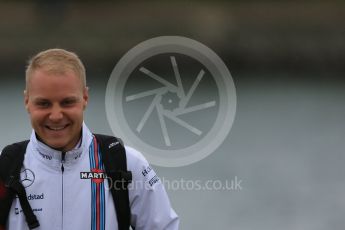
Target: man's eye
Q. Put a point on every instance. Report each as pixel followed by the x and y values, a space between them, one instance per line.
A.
pixel 42 104
pixel 68 102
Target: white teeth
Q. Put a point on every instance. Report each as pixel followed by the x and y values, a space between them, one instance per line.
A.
pixel 56 128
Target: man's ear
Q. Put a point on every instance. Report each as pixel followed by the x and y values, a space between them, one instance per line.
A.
pixel 85 96
pixel 26 100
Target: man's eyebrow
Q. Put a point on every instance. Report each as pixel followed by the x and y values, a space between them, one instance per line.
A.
pixel 40 99
pixel 71 98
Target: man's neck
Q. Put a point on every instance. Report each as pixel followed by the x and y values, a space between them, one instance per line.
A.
pixel 62 149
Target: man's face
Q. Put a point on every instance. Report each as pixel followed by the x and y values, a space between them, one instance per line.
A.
pixel 55 103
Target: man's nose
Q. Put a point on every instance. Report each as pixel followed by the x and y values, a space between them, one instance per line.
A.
pixel 56 113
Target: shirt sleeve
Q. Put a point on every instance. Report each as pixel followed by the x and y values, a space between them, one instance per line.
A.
pixel 150 205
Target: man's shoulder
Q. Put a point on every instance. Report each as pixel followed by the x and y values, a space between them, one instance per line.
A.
pixel 14 148
pixel 134 157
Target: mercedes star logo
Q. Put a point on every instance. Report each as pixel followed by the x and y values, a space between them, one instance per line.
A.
pixel 27 177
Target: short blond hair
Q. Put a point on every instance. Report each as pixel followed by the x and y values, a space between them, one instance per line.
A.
pixel 56 61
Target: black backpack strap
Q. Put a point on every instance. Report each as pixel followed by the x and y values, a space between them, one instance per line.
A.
pixel 11 161
pixel 115 162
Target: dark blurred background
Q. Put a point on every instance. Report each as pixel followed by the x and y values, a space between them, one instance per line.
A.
pixel 251 35
pixel 287 59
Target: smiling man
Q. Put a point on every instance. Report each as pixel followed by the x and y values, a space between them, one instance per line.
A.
pixel 55 98
pixel 62 153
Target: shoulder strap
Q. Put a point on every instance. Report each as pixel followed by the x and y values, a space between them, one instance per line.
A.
pixel 11 161
pixel 115 162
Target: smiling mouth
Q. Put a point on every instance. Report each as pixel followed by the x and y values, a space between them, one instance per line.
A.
pixel 56 128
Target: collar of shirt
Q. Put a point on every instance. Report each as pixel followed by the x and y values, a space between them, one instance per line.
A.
pixel 53 157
